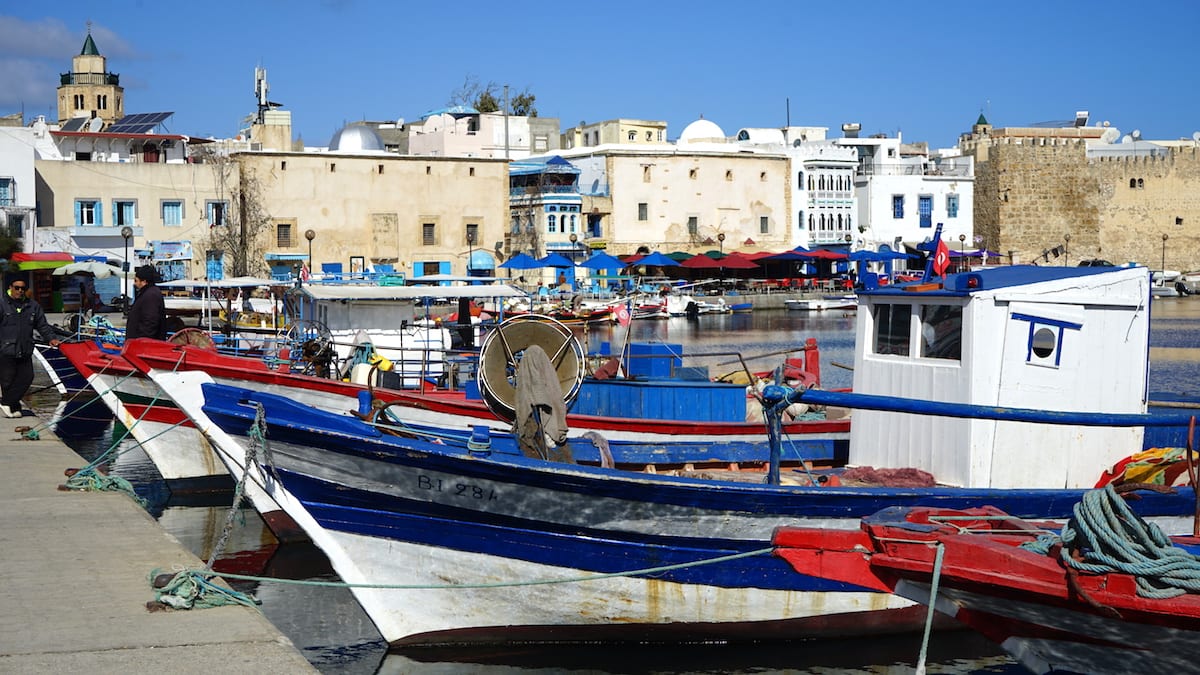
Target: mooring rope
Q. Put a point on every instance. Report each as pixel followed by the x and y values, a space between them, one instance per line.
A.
pixel 499 584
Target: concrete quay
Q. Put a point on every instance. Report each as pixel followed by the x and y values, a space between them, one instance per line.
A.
pixel 75 567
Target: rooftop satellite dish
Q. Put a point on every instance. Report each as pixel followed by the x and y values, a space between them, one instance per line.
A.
pixel 1136 134
pixel 1110 135
pixel 1126 138
pixel 1196 136
pixel 95 124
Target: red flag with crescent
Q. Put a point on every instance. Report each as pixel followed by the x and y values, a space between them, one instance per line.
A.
pixel 941 258
pixel 623 315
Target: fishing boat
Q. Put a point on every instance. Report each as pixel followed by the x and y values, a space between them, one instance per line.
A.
pixel 395 320
pixel 452 538
pixel 640 409
pixel 1107 593
pixel 183 457
pixel 823 303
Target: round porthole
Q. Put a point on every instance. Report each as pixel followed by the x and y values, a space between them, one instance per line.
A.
pixel 1044 341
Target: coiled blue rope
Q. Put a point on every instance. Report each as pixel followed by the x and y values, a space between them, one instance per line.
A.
pixel 1110 537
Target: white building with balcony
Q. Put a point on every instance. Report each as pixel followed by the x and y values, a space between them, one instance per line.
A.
pixel 903 192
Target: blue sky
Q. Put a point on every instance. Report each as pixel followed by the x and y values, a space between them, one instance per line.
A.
pixel 924 68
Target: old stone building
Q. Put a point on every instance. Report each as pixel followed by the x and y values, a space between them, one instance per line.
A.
pixel 1060 195
pixel 1057 203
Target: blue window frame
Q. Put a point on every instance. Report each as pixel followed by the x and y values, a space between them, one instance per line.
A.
pixel 6 192
pixel 898 206
pixel 172 213
pixel 951 206
pixel 216 212
pixel 124 212
pixel 88 213
pixel 925 210
pixel 552 224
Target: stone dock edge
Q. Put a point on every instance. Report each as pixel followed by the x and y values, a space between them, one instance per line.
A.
pixel 75 568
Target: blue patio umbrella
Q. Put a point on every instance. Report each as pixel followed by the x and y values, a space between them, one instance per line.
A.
pixel 864 255
pixel 554 260
pixel 658 260
pixel 521 261
pixel 602 261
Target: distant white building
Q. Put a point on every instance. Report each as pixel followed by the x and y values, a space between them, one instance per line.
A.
pixel 903 192
pixel 18 196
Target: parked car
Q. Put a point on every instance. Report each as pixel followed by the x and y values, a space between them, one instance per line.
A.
pixel 1095 262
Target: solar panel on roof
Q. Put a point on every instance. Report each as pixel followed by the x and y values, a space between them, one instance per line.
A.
pixel 74 124
pixel 138 123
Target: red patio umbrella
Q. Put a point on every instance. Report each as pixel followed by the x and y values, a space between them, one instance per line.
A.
pixel 737 261
pixel 701 262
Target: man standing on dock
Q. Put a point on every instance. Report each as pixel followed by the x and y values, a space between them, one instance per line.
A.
pixel 148 315
pixel 20 315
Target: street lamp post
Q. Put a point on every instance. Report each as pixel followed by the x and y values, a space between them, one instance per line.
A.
pixel 126 233
pixel 310 235
pixel 962 250
pixel 721 243
pixel 1164 257
pixel 1066 249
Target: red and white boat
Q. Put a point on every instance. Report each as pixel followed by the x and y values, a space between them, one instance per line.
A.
pixel 1051 616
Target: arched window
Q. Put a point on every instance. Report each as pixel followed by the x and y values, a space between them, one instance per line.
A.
pixel 552 224
pixel 632 136
pixel 1132 183
pixel 573 223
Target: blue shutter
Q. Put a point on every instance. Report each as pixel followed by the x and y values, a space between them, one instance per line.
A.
pixel 98 209
pixel 77 213
pixel 444 268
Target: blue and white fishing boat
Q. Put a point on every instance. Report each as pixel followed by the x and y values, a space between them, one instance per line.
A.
pixel 449 538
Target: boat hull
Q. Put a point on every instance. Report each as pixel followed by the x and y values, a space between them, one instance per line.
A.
pixel 591 545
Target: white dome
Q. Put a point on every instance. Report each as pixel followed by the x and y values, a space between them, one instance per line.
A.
pixel 701 130
pixel 356 138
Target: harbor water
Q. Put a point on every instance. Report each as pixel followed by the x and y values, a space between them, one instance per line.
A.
pixel 328 626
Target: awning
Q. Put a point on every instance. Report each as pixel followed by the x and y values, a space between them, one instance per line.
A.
pixel 286 256
pixel 40 261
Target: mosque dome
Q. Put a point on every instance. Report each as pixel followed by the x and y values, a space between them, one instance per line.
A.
pixel 702 130
pixel 356 138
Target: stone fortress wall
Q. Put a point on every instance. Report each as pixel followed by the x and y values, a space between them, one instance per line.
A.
pixel 1031 193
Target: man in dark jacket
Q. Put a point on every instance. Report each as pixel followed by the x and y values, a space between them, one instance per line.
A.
pixel 20 315
pixel 148 315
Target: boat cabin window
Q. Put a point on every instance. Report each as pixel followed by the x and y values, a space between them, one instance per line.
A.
pixel 892 329
pixel 941 332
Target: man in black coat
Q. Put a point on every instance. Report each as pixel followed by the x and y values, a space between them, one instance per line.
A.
pixel 148 315
pixel 20 315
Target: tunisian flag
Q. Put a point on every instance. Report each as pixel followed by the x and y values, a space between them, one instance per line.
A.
pixel 623 315
pixel 941 258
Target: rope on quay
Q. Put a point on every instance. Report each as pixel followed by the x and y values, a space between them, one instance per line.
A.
pixel 498 584
pixel 192 589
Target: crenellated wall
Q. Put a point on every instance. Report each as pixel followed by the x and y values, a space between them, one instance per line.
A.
pixel 1031 193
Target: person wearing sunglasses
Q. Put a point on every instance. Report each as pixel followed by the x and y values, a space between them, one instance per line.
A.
pixel 20 316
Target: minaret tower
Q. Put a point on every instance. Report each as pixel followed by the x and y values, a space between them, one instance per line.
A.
pixel 89 90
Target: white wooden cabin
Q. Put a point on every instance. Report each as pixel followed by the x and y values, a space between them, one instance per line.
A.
pixel 1050 338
